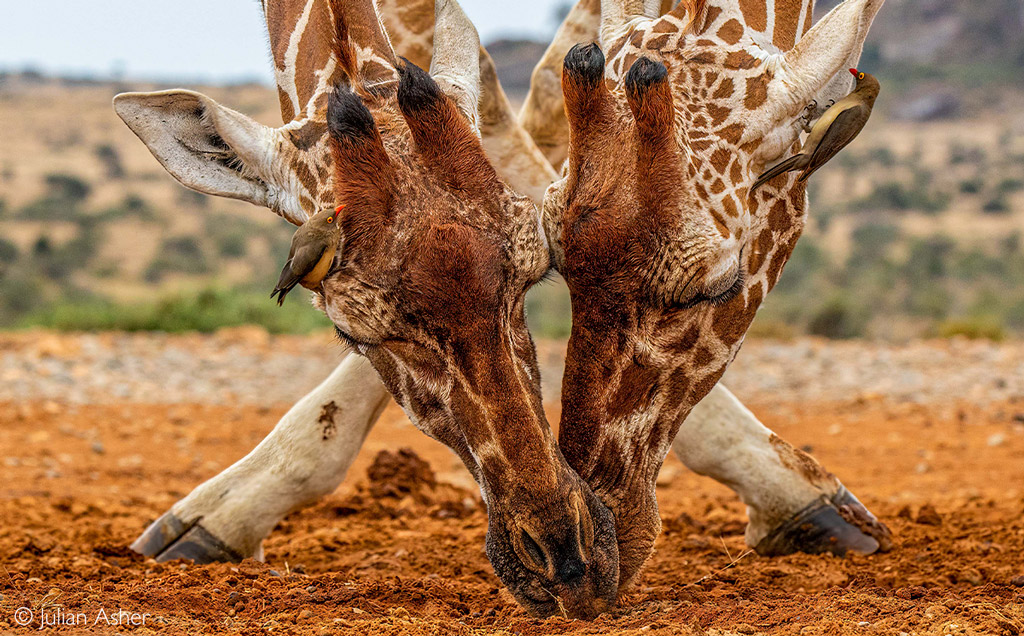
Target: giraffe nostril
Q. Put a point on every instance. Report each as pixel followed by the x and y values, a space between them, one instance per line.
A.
pixel 571 570
pixel 535 554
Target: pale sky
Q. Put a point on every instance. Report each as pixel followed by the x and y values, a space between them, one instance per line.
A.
pixel 188 39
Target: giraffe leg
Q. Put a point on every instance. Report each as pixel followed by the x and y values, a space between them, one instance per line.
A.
pixel 304 458
pixel 793 503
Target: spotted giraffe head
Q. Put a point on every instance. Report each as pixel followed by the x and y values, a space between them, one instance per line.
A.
pixel 666 255
pixel 437 254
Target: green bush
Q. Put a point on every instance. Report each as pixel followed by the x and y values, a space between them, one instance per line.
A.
pixel 111 160
pixel 980 328
pixel 971 186
pixel 67 187
pixel 8 251
pixel 996 205
pixel 894 195
pixel 837 318
pixel 205 311
pixel 180 254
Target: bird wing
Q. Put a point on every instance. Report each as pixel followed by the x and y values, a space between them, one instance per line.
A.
pixel 299 263
pixel 841 132
pixel 307 257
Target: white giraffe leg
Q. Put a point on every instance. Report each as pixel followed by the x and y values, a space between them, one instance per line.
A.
pixel 304 458
pixel 781 486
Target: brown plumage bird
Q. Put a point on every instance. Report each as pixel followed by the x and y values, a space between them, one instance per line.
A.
pixel 313 247
pixel 832 132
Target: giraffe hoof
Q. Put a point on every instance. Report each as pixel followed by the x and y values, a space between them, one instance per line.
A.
pixel 170 538
pixel 839 525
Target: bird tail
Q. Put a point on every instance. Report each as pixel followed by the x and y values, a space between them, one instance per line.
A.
pixel 280 293
pixel 768 175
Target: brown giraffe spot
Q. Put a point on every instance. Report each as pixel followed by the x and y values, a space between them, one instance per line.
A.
pixel 730 208
pixel 787 17
pixel 712 15
pixel 780 258
pixel 686 342
pixel 307 204
pixel 306 136
pixel 374 71
pixel 718 114
pixel 704 58
pixel 656 43
pixel 762 246
pixel 718 187
pixel 326 420
pixel 709 79
pixel 691 170
pixel 754 297
pixel 306 177
pixel 778 216
pixel 731 320
pixel 700 144
pixel 631 59
pixel 725 89
pixel 809 18
pixel 636 386
pixel 740 60
pixel 703 42
pixel 707 175
pixel 720 159
pixel 723 229
pixel 736 171
pixel 708 382
pixel 702 356
pixel 322 171
pixel 757 92
pixel 755 14
pixel 637 39
pixel 700 121
pixel 664 26
pixel 678 387
pixel 732 133
pixel 731 31
pixel 616 48
pixel 695 76
pixel 287 112
pixel 701 191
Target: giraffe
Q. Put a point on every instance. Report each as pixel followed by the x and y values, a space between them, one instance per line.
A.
pixel 228 516
pixel 427 209
pixel 666 255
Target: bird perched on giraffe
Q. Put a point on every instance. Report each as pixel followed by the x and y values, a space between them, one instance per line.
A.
pixel 836 128
pixel 312 252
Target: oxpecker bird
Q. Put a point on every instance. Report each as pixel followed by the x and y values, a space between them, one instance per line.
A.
pixel 313 247
pixel 832 132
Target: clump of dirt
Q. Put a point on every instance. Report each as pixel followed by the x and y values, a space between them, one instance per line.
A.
pixel 401 483
pixel 399 474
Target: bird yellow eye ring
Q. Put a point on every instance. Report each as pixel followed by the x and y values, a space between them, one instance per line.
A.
pixel 330 219
pixel 860 76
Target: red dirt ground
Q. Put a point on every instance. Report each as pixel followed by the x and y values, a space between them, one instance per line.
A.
pixel 396 554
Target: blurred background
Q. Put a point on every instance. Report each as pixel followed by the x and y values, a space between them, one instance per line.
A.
pixel 916 230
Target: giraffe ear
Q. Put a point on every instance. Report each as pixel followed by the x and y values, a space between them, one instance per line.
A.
pixel 213 149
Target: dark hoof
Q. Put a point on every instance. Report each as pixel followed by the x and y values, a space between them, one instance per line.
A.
pixel 840 525
pixel 169 538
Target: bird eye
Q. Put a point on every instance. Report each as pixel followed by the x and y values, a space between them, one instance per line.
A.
pixel 860 76
pixel 330 219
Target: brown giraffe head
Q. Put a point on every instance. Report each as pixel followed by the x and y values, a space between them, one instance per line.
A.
pixel 429 283
pixel 666 257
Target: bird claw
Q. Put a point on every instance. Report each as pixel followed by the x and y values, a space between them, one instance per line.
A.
pixel 808 116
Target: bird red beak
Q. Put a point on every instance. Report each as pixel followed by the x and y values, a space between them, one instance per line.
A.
pixel 854 72
pixel 339 208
